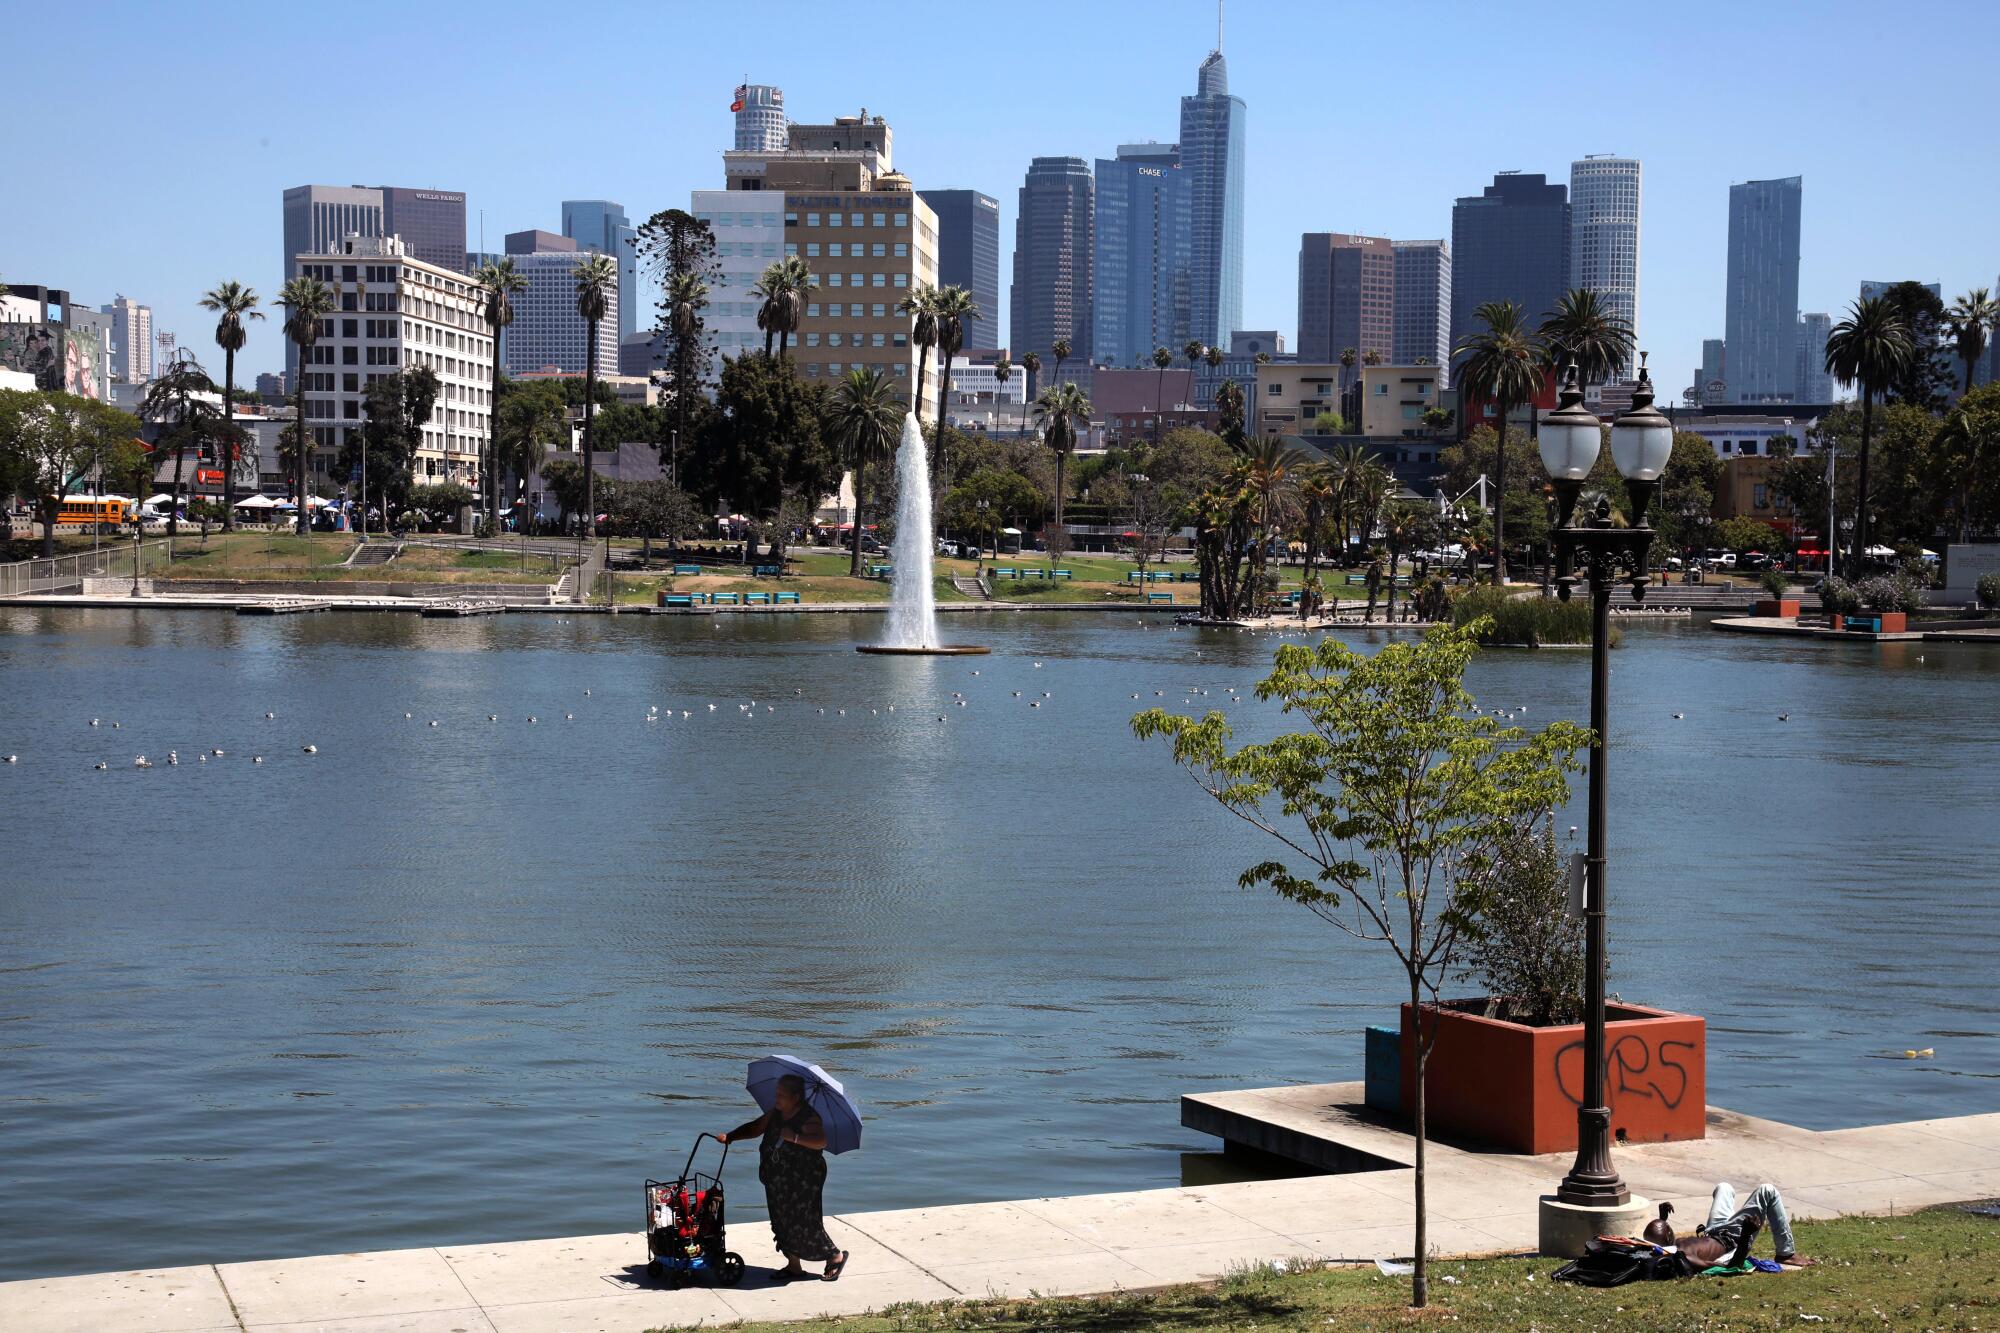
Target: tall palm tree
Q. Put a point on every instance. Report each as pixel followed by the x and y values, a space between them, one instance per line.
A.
pixel 234 303
pixel 1059 349
pixel 686 295
pixel 525 427
pixel 1032 363
pixel 1003 370
pixel 1400 523
pixel 921 308
pixel 864 419
pixel 1503 366
pixel 1582 329
pixel 1272 463
pixel 1317 493
pixel 782 286
pixel 1061 408
pixel 499 280
pixel 596 277
pixel 1213 356
pixel 954 306
pixel 1229 410
pixel 307 301
pixel 1870 347
pixel 1345 472
pixel 175 399
pixel 1973 317
pixel 1162 358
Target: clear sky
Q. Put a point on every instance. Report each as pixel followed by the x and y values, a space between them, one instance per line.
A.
pixel 149 145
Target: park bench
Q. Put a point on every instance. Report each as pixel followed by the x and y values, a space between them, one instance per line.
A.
pixel 1190 576
pixel 723 599
pixel 756 599
pixel 678 598
pixel 1159 597
pixel 781 598
pixel 767 572
pixel 1006 573
pixel 1866 622
pixel 881 571
pixel 1062 574
pixel 687 569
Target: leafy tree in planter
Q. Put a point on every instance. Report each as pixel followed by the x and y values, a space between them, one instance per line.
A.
pixel 1392 809
pixel 1526 946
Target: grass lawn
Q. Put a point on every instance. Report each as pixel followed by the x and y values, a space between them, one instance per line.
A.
pixel 251 555
pixel 1931 1270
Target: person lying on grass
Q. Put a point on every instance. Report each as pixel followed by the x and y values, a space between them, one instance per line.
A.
pixel 1724 1239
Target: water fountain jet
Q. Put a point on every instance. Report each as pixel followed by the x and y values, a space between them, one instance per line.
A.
pixel 913 596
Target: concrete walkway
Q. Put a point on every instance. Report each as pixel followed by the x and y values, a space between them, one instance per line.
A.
pixel 1481 1203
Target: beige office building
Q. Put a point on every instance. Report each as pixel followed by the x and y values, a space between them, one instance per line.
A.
pixel 393 313
pixel 867 236
pixel 1291 395
pixel 1395 398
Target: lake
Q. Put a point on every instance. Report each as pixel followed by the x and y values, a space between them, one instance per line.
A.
pixel 475 981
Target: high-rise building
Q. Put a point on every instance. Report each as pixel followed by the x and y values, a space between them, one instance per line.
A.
pixel 395 313
pixel 1141 264
pixel 131 341
pixel 547 333
pixel 1604 199
pixel 1347 296
pixel 1510 242
pixel 431 223
pixel 869 239
pixel 760 118
pixel 317 220
pixel 1212 154
pixel 1713 381
pixel 1423 306
pixel 1761 324
pixel 1054 252
pixel 600 225
pixel 968 227
pixel 1814 381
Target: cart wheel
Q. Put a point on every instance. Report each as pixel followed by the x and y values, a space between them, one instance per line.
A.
pixel 673 1276
pixel 729 1271
pixel 656 1270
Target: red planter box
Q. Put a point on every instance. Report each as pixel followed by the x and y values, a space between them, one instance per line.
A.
pixel 1518 1087
pixel 1785 607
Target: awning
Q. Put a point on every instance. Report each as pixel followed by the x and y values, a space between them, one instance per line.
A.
pixel 162 498
pixel 257 502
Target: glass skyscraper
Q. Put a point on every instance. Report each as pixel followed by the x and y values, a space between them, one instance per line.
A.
pixel 1761 323
pixel 968 228
pixel 1510 242
pixel 600 225
pixel 1212 156
pixel 1604 197
pixel 1143 255
pixel 431 223
pixel 1053 256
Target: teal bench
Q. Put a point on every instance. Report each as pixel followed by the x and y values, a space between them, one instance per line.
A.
pixel 1189 576
pixel 1159 597
pixel 1062 574
pixel 678 598
pixel 881 571
pixel 781 598
pixel 1006 573
pixel 766 572
pixel 723 599
pixel 756 599
pixel 687 569
pixel 1871 624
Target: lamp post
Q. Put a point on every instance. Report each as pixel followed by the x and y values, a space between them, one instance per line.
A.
pixel 985 526
pixel 1591 551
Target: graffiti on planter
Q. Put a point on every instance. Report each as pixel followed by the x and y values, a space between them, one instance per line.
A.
pixel 1636 1064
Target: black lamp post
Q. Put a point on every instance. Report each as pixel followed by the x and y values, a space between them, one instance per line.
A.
pixel 1592 551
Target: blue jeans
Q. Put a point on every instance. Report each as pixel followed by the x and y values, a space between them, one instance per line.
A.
pixel 1725 1218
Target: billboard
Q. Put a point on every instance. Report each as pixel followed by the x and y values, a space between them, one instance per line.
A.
pixel 59 359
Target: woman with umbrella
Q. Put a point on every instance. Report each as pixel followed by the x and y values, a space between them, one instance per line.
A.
pixel 791 1159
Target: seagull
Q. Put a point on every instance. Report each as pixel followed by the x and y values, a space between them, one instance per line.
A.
pixel 492 717
pixel 115 726
pixel 686 714
pixel 406 717
pixel 711 708
pixel 13 758
pixel 532 719
pixel 310 749
pixel 569 717
pixel 1784 717
pixel 101 766
pixel 652 717
pixel 1679 716
pixel 93 722
pixel 586 694
pixel 269 716
pixel 173 756
pixel 434 722
pixel 843 713
pixel 1035 703
pixel 216 753
pixel 142 762
pixel 257 759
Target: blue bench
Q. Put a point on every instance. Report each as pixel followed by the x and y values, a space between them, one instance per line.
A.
pixel 687 569
pixel 1190 576
pixel 678 598
pixel 1159 597
pixel 1151 576
pixel 767 571
pixel 881 571
pixel 722 599
pixel 780 598
pixel 756 599
pixel 1866 623
pixel 1062 574
pixel 1006 573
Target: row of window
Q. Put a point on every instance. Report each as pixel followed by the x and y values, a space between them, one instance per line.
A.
pixel 899 369
pixel 749 249
pixel 852 310
pixel 738 219
pixel 861 279
pixel 859 340
pixel 874 250
pixel 852 219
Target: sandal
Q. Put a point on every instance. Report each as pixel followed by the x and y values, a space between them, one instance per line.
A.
pixel 835 1268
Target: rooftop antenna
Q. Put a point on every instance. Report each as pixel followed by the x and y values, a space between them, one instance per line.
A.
pixel 1218 25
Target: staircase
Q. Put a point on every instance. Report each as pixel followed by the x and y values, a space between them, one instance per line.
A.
pixel 973 588
pixel 370 554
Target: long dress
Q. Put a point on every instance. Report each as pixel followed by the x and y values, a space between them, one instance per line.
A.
pixel 793 1179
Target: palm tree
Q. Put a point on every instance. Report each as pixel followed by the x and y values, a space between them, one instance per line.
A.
pixel 1003 370
pixel 954 306
pixel 864 420
pixel 1400 522
pixel 525 427
pixel 1162 358
pixel 1317 491
pixel 1060 409
pixel 1581 329
pixel 1973 318
pixel 1031 363
pixel 1271 463
pixel 686 294
pixel 499 280
pixel 921 306
pixel 1503 366
pixel 596 277
pixel 1060 350
pixel 782 286
pixel 234 302
pixel 1371 357
pixel 1213 356
pixel 176 396
pixel 1345 468
pixel 307 301
pixel 1229 408
pixel 1870 347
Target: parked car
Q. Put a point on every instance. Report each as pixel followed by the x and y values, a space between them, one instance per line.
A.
pixel 1722 559
pixel 1756 560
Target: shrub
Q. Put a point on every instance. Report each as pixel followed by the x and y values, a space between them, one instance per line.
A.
pixel 1988 590
pixel 1524 621
pixel 1891 592
pixel 1527 949
pixel 1775 582
pixel 1838 597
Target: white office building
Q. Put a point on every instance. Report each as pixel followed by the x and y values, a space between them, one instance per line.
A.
pixel 394 313
pixel 547 334
pixel 1604 200
pixel 131 341
pixel 749 230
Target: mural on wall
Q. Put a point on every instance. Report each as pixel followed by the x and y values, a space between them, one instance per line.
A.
pixel 59 359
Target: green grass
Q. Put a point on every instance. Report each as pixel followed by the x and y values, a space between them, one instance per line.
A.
pixel 1525 619
pixel 1937 1270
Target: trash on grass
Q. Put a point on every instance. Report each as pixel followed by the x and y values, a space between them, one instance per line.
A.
pixel 1390 1268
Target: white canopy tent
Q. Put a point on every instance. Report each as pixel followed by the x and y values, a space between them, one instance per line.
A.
pixel 257 502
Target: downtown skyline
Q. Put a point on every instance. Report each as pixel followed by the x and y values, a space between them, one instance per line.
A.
pixel 141 225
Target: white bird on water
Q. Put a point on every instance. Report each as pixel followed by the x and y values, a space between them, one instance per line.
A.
pixel 142 762
pixel 13 758
pixel 173 756
pixel 93 722
pixel 269 716
pixel 257 759
pixel 311 749
pixel 101 765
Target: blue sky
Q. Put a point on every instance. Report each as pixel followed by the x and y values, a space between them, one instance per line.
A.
pixel 166 134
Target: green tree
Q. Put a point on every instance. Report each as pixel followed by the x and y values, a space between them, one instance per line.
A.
pixel 596 277
pixel 921 307
pixel 1872 348
pixel 234 303
pixel 1747 534
pixel 864 421
pixel 1005 493
pixel 680 248
pixel 528 421
pixel 951 308
pixel 1925 379
pixel 1583 330
pixel 563 477
pixel 655 509
pixel 1329 423
pixel 1229 414
pixel 176 401
pixel 307 302
pixel 394 409
pixel 1060 410
pixel 1972 319
pixel 498 281
pixel 1392 810
pixel 52 441
pixel 763 448
pixel 782 289
pixel 1503 364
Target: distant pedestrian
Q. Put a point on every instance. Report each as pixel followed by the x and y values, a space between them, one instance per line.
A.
pixel 791 1163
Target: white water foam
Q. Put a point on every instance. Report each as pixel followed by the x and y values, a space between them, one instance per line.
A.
pixel 913 598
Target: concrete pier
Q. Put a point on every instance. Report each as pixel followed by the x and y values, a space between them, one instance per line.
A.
pixel 1480 1203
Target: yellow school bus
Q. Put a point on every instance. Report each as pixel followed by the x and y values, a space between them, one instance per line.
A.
pixel 87 509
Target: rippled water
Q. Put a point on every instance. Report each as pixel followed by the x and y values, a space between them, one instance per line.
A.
pixel 475 981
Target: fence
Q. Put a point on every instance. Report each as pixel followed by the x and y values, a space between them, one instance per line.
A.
pixel 66 573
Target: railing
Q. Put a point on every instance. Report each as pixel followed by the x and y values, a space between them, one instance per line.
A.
pixel 66 573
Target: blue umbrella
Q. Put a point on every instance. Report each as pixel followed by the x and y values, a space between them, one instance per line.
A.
pixel 836 1110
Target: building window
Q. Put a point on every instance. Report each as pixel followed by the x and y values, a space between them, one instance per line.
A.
pixel 791 218
pixel 902 250
pixel 833 279
pixel 1276 391
pixel 880 311
pixel 812 312
pixel 902 279
pixel 833 367
pixel 878 250
pixel 877 340
pixel 833 251
pixel 812 249
pixel 881 279
pixel 812 340
pixel 902 219
pixel 833 340
pixel 881 219
pixel 902 340
pixel 1759 497
pixel 833 219
pixel 791 247
pixel 856 220
pixel 812 367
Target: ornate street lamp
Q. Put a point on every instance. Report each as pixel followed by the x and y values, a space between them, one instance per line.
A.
pixel 1589 549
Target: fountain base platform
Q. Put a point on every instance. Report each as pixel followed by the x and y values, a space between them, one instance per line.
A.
pixel 942 650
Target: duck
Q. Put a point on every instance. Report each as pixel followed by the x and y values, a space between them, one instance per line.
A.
pixel 257 759
pixel 101 765
pixel 142 762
